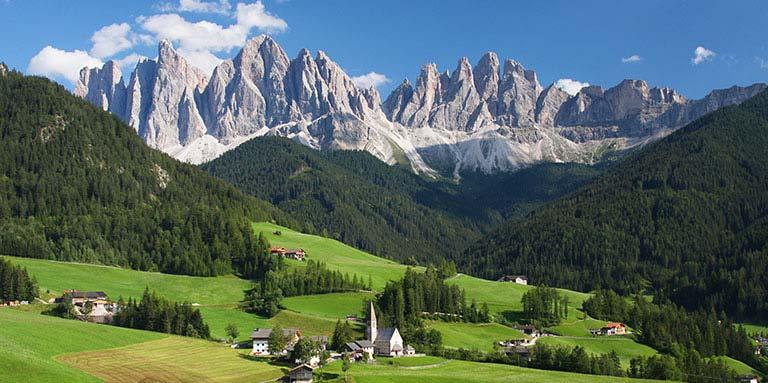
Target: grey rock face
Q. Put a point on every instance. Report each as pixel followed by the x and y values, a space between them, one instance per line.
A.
pixel 103 87
pixel 488 118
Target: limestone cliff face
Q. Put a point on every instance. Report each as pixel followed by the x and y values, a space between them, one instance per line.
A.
pixel 490 117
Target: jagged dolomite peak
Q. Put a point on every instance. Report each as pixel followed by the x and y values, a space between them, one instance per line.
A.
pixel 490 117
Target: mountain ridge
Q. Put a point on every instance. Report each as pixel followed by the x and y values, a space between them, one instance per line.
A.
pixel 491 117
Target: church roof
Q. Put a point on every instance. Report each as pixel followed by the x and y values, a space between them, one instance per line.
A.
pixel 386 333
pixel 364 343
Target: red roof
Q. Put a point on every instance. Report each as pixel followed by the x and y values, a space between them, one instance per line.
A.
pixel 614 325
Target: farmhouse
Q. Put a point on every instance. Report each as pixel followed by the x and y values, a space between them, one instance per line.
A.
pixel 519 279
pixel 314 360
pixel 749 379
pixel 260 338
pixel 529 330
pixel 92 306
pixel 612 328
pixel 301 374
pixel 297 254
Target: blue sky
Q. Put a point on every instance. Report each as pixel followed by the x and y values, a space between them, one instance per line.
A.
pixel 580 40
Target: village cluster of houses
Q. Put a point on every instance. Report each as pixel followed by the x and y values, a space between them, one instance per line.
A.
pixel 377 342
pixel 297 254
pixel 762 346
pixel 14 303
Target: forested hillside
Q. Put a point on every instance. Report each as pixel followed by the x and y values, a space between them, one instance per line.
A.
pixel 76 184
pixel 357 199
pixel 687 216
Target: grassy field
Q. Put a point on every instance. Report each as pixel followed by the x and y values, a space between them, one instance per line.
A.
pixel 473 336
pixel 336 255
pixel 58 276
pixel 173 359
pixel 626 348
pixel 332 306
pixel 504 296
pixel 578 327
pixel 755 329
pixel 29 341
pixel 739 366
pixel 455 371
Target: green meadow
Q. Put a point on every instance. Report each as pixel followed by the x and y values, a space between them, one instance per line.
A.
pixel 480 336
pixel 336 255
pixel 455 371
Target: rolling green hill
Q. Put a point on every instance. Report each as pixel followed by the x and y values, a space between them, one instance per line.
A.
pixel 76 184
pixel 693 204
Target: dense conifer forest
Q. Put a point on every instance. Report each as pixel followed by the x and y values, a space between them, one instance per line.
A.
pixel 76 184
pixel 387 210
pixel 686 217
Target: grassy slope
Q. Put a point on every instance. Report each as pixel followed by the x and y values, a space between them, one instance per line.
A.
pixel 331 306
pixel 626 348
pixel 504 296
pixel 336 255
pixel 29 341
pixel 455 371
pixel 474 336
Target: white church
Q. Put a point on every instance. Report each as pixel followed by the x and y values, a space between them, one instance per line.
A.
pixel 386 341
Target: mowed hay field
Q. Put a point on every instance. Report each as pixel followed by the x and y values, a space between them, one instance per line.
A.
pixel 336 255
pixel 29 342
pixel 173 360
pixel 455 371
pixel 330 306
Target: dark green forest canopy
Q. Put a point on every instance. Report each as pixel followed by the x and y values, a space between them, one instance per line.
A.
pixel 687 216
pixel 76 184
pixel 387 210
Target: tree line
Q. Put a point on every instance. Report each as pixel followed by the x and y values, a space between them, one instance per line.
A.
pixel 154 313
pixel 15 283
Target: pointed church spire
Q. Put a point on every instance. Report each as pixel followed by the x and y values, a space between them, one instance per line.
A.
pixel 371 330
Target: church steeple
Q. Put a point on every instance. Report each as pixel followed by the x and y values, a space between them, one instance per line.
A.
pixel 371 330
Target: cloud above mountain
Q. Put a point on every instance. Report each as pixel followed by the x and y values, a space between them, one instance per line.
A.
pixel 631 59
pixel 370 80
pixel 701 55
pixel 570 86
pixel 199 41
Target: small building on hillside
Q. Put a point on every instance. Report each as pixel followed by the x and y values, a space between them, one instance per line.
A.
pixel 519 279
pixel 529 330
pixel 297 254
pixel 91 306
pixel 301 374
pixel 749 379
pixel 612 328
pixel 260 338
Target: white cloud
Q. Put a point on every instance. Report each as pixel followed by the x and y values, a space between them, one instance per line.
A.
pixel 631 59
pixel 111 39
pixel 255 16
pixel 370 80
pixel 570 86
pixel 220 7
pixel 702 54
pixel 203 60
pixel 56 63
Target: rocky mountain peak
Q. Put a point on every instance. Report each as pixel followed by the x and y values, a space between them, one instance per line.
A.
pixel 486 74
pixel 3 69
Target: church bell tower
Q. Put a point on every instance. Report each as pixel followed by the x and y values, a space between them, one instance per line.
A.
pixel 371 330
